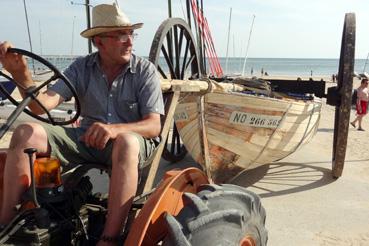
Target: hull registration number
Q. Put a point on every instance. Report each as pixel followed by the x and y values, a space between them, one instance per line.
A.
pixel 181 116
pixel 255 120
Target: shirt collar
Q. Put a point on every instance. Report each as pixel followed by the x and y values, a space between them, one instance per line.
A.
pixel 94 59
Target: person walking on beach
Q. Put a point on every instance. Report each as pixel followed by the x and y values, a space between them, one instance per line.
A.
pixel 121 103
pixel 361 103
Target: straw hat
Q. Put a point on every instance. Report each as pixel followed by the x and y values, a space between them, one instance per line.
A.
pixel 108 18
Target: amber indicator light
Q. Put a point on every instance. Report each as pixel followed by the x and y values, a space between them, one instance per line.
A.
pixel 47 172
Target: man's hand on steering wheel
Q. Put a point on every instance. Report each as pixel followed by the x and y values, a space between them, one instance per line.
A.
pixel 14 61
pixel 16 65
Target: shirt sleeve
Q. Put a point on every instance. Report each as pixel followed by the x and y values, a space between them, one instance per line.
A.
pixel 61 87
pixel 150 95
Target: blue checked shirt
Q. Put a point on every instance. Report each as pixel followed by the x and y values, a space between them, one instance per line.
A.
pixel 134 93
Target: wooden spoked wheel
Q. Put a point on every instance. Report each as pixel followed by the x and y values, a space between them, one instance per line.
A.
pixel 173 52
pixel 344 89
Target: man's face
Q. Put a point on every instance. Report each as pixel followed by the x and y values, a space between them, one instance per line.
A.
pixel 117 45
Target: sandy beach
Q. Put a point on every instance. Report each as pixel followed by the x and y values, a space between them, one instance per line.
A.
pixel 304 204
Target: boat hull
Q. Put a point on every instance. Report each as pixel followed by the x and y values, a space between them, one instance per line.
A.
pixel 230 132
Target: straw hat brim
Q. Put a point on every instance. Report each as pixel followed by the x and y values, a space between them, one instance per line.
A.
pixel 88 33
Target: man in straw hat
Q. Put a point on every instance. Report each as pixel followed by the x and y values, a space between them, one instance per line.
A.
pixel 121 103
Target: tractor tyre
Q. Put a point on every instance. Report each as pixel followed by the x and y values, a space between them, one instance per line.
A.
pixel 222 215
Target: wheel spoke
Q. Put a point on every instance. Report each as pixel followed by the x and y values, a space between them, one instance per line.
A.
pixel 177 50
pixel 178 140
pixel 169 63
pixel 162 72
pixel 170 46
pixel 185 59
pixel 190 62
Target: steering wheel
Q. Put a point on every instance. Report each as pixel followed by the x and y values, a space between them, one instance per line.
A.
pixel 32 92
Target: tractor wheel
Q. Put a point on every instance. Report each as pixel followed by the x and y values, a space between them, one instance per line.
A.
pixel 219 215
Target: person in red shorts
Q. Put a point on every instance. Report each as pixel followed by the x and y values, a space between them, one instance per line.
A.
pixel 361 103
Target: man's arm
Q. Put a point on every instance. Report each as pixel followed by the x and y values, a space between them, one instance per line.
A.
pixel 17 66
pixel 49 99
pixel 148 127
pixel 98 134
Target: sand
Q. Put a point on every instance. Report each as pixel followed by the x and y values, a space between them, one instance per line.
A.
pixel 304 204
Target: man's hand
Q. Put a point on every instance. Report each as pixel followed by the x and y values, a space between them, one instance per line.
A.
pixel 97 135
pixel 16 65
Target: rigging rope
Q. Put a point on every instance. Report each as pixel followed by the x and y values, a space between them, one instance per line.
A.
pixel 215 67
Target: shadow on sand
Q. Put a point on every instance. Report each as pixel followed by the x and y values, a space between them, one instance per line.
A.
pixel 274 179
pixel 283 178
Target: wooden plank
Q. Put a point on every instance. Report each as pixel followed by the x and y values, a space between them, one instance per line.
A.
pixel 198 85
pixel 171 106
pixel 204 137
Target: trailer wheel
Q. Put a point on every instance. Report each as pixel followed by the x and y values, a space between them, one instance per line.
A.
pixel 344 89
pixel 174 53
pixel 219 215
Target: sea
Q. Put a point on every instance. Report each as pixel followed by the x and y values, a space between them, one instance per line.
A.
pixel 254 66
pixel 287 66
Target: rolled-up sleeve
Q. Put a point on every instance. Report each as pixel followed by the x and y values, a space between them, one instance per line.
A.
pixel 61 88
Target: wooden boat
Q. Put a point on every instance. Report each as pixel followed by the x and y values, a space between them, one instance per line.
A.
pixel 228 131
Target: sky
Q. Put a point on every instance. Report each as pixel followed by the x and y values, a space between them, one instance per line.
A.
pixel 282 28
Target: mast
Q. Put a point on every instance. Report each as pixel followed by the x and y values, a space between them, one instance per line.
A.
pixel 71 49
pixel 234 47
pixel 88 20
pixel 170 8
pixel 229 30
pixel 88 17
pixel 39 28
pixel 29 33
pixel 247 48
